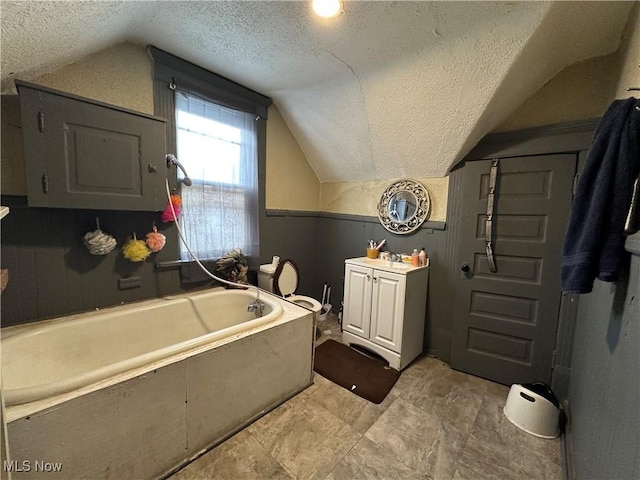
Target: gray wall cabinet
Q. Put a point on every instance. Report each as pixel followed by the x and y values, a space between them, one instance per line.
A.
pixel 80 153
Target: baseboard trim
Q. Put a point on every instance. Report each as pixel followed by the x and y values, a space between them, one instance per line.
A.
pixel 560 378
pixel 568 463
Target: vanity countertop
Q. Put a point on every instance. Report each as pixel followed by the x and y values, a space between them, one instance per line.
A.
pixel 386 265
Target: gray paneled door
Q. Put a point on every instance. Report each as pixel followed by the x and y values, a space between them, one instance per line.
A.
pixel 504 324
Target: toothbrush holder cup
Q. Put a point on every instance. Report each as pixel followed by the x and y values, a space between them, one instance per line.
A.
pixel 372 253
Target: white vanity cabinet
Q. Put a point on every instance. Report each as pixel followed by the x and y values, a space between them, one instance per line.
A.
pixel 384 308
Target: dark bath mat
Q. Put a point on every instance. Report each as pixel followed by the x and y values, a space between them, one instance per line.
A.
pixel 347 367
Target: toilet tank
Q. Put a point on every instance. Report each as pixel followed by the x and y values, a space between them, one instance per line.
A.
pixel 265 277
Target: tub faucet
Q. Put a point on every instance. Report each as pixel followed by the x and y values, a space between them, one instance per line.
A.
pixel 257 307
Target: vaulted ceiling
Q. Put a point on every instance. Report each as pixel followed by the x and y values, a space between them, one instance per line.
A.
pixel 386 90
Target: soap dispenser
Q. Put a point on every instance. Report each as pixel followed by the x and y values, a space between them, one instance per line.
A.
pixel 415 258
pixel 423 257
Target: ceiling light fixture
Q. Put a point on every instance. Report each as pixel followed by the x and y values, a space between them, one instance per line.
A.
pixel 327 8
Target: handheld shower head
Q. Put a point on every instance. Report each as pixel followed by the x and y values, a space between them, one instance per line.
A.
pixel 172 160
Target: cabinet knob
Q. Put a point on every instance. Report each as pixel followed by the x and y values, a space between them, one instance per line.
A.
pixel 368 277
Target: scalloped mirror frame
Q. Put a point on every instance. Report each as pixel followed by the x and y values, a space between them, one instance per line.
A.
pixel 421 213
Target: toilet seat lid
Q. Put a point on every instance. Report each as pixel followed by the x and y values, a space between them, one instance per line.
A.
pixel 285 278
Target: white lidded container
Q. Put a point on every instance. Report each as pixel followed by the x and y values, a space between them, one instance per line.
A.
pixel 533 408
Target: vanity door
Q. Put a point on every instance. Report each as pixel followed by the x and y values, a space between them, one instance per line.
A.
pixel 357 300
pixel 387 309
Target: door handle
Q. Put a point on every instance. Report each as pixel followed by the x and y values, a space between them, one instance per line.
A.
pixel 466 270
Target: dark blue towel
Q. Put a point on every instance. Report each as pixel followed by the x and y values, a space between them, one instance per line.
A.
pixel 594 241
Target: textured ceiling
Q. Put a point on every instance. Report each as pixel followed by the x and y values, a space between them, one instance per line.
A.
pixel 386 90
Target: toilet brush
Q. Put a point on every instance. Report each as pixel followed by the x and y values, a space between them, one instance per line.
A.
pixel 326 295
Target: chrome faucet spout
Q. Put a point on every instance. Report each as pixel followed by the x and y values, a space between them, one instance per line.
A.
pixel 257 307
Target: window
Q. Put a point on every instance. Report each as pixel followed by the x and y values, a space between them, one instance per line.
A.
pixel 217 129
pixel 217 146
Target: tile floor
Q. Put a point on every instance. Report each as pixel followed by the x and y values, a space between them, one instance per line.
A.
pixel 436 423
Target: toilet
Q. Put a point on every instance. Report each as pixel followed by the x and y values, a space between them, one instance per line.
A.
pixel 282 280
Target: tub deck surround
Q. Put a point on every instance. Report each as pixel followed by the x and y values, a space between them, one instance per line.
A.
pixel 149 420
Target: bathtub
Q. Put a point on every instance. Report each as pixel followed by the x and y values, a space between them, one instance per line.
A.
pixel 66 355
pixel 139 390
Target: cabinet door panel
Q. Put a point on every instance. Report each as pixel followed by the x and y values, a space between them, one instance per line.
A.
pixel 84 154
pixel 101 160
pixel 357 300
pixel 387 309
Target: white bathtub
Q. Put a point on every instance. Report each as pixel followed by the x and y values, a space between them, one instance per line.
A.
pixel 137 391
pixel 66 355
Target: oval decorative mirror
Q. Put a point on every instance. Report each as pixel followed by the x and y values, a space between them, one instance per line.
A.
pixel 404 206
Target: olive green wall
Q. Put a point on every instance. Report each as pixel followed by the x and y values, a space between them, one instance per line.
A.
pixel 585 89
